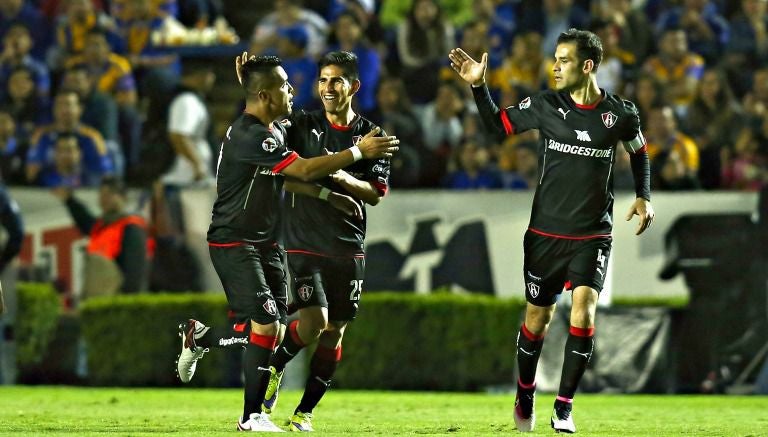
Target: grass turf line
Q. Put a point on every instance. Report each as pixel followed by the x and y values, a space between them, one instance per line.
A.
pixel 212 412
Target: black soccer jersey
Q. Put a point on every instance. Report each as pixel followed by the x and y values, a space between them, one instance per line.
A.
pixel 313 225
pixel 574 196
pixel 249 183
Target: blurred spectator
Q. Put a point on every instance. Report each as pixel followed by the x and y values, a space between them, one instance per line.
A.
pixel 13 227
pixel 442 129
pixel 99 109
pixel 349 37
pixel 12 11
pixel 498 21
pixel 670 173
pixel 635 33
pixel 12 151
pixel 66 120
pixel 747 167
pixel 395 115
pixel 706 30
pixel 522 67
pixel 647 92
pixel 677 68
pixel 618 65
pixel 472 170
pixel 117 253
pixel 28 108
pixel 664 136
pixel 188 123
pixel 67 168
pixel 199 13
pixel 289 13
pixel 300 67
pixel 748 45
pixel 17 44
pixel 120 9
pixel 550 18
pixel 110 72
pixel 73 27
pixel 714 120
pixel 423 40
pixel 755 102
pixel 52 9
pixel 524 175
pixel 144 17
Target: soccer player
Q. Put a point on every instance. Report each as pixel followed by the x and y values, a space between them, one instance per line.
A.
pixel 324 245
pixel 253 160
pixel 568 241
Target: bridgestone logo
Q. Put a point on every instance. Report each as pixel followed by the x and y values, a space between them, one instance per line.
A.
pixel 232 340
pixel 579 150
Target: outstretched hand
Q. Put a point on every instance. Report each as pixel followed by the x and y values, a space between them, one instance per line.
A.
pixel 471 71
pixel 239 61
pixel 373 147
pixel 643 209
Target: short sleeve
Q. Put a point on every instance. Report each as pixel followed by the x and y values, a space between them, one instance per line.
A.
pixel 523 116
pixel 631 135
pixel 184 114
pixel 265 150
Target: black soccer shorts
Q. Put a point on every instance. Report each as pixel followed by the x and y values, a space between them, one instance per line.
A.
pixel 331 282
pixel 254 281
pixel 550 263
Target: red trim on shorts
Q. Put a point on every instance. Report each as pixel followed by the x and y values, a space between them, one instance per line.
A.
pixel 568 237
pixel 381 188
pixel 239 327
pixel 239 243
pixel 265 341
pixel 568 285
pixel 530 335
pixel 582 332
pixel 328 354
pixel 294 333
pixel 324 255
pixel 508 127
pixel 280 166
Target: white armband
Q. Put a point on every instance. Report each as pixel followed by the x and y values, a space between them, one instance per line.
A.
pixel 356 153
pixel 324 192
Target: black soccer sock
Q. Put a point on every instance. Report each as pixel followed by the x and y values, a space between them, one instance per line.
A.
pixel 578 351
pixel 288 349
pixel 229 336
pixel 256 370
pixel 528 352
pixel 321 370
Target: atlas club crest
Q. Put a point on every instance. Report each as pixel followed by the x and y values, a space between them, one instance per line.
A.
pixel 609 119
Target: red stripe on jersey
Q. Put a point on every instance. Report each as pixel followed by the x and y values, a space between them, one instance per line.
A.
pixel 582 332
pixel 285 162
pixel 265 341
pixel 381 188
pixel 340 127
pixel 226 244
pixel 568 237
pixel 324 255
pixel 508 128
pixel 592 106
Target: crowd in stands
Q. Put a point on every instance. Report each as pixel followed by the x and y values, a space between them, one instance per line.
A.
pixel 86 88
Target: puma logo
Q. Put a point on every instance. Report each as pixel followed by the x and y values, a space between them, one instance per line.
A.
pixel 525 351
pixel 584 354
pixel 317 134
pixel 565 113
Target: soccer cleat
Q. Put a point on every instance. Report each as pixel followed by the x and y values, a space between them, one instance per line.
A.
pixel 525 414
pixel 301 422
pixel 186 362
pixel 257 422
pixel 562 419
pixel 270 398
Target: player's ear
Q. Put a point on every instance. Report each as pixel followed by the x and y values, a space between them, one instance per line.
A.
pixel 355 87
pixel 589 66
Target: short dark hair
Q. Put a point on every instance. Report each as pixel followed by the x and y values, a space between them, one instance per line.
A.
pixel 346 60
pixel 66 136
pixel 588 45
pixel 114 184
pixel 259 71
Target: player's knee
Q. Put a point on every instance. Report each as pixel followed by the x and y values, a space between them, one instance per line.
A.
pixel 270 329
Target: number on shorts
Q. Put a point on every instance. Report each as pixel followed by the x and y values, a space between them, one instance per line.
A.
pixel 357 288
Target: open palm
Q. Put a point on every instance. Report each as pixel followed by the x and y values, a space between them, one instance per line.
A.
pixel 471 71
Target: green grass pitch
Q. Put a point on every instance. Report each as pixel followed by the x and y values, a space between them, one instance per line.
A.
pixel 74 411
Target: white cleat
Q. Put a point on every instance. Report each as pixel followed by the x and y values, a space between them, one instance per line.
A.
pixel 525 406
pixel 562 420
pixel 186 363
pixel 258 422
